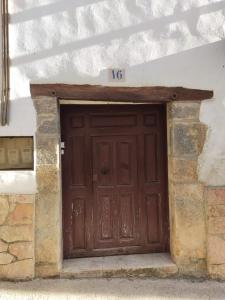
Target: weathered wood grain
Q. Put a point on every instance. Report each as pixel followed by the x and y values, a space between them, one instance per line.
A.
pixel 155 94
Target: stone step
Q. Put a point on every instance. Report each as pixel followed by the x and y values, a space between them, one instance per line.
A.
pixel 139 265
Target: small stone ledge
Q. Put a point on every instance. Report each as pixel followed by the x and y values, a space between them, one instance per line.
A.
pixel 139 265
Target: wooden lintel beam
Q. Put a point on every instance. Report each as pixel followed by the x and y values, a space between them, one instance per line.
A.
pixel 119 94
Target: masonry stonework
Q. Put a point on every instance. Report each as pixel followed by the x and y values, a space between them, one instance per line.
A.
pixel 215 204
pixel 186 193
pixel 16 237
pixel 31 225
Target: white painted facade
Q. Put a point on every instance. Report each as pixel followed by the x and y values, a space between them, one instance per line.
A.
pixel 157 42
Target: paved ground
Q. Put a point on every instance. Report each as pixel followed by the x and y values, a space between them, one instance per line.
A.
pixel 113 289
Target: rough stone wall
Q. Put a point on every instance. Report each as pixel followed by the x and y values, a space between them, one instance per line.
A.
pixel 215 204
pixel 16 236
pixel 187 207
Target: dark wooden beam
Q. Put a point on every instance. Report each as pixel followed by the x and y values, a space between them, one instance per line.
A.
pixel 119 94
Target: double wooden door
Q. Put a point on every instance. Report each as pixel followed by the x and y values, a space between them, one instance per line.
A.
pixel 114 174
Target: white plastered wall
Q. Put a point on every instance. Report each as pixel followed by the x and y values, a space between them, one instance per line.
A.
pixel 158 42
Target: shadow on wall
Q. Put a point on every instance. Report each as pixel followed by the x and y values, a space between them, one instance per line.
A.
pixel 140 38
pixel 172 42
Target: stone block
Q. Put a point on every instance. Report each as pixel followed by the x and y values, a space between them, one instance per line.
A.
pixel 46 270
pixel 192 193
pixel 185 110
pixel 197 269
pixel 22 250
pixel 48 208
pixel 47 233
pixel 184 170
pixel 216 250
pixel 21 198
pixel 4 209
pixel 216 211
pixel 186 139
pixel 47 250
pixel 216 271
pixel 190 242
pixel 216 225
pixel 47 149
pixel 19 270
pixel 48 179
pixel 6 258
pixel 47 124
pixel 22 214
pixel 215 196
pixel 45 105
pixel 12 205
pixel 3 246
pixel 189 212
pixel 16 233
pixel 189 222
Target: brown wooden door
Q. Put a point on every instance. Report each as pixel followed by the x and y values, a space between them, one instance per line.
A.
pixel 114 173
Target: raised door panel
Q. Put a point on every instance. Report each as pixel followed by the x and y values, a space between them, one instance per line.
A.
pixel 124 167
pixel 103 162
pixel 126 217
pixel 104 217
pixel 127 190
pixel 113 121
pixel 154 215
pixel 77 161
pixel 151 158
pixel 78 223
pixel 104 204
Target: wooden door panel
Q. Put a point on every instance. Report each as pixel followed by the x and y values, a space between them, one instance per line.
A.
pixel 103 192
pixel 114 162
pixel 77 122
pixel 124 165
pixel 78 223
pixel 114 180
pixel 104 221
pixel 151 158
pixel 154 226
pixel 77 159
pixel 127 220
pixel 151 119
pixel 113 120
pixel 105 217
pixel 103 162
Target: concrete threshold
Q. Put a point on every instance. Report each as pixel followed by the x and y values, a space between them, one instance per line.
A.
pixel 139 265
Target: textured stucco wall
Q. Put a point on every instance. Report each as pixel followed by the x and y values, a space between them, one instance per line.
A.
pixel 158 42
